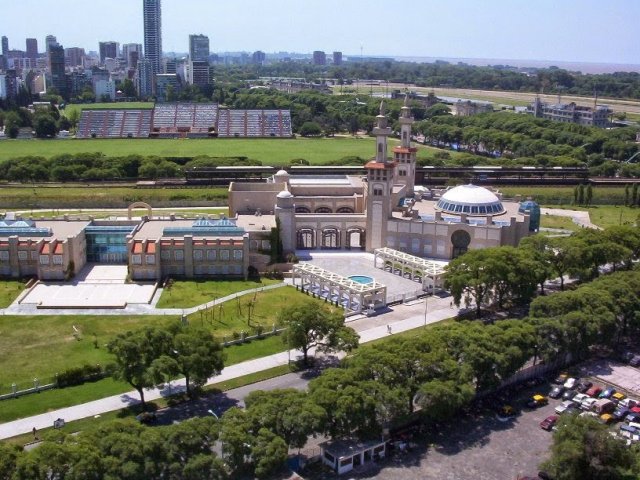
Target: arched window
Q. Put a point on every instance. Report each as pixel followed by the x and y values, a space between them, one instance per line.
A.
pixel 330 238
pixel 323 210
pixel 345 210
pixel 302 210
pixel 305 239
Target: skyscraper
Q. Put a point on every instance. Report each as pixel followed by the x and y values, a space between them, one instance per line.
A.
pixel 5 46
pixel 132 52
pixel 74 56
pixel 319 58
pixel 32 49
pixel 56 64
pixel 199 48
pixel 144 78
pixel 50 40
pixel 107 50
pixel 153 34
pixel 337 58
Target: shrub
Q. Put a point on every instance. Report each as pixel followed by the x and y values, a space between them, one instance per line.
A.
pixel 79 375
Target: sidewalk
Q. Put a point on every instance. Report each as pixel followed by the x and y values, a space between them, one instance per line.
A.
pixel 399 318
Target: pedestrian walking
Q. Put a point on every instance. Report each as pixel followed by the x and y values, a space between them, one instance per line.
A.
pixel 389 329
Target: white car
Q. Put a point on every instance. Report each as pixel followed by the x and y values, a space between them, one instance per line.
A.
pixel 588 403
pixel 564 406
pixel 571 383
pixel 579 398
pixel 628 402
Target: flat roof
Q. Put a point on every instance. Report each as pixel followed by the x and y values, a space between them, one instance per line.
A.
pixel 348 448
pixel 319 180
pixel 154 229
pixel 61 229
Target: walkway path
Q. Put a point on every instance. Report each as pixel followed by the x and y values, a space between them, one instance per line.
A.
pixel 579 217
pixel 396 319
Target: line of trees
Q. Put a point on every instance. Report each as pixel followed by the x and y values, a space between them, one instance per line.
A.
pixel 507 277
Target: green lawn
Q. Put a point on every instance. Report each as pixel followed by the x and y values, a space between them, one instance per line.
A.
pixel 268 151
pixel 556 221
pixel 190 293
pixel 609 215
pixel 563 195
pixel 96 196
pixel 43 345
pixel 9 291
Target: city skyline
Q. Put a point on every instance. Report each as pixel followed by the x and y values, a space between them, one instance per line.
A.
pixel 575 30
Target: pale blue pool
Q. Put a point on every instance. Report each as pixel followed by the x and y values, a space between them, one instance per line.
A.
pixel 363 279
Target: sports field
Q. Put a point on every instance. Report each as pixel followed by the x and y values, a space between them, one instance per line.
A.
pixel 269 151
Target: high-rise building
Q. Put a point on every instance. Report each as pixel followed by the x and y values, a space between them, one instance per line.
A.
pixel 144 78
pixel 165 84
pixel 5 46
pixel 50 40
pixel 337 58
pixel 258 57
pixel 198 73
pixel 32 48
pixel 198 48
pixel 107 50
pixel 75 56
pixel 153 34
pixel 319 58
pixel 132 52
pixel 57 69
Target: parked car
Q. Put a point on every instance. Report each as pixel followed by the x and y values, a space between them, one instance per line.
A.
pixel 603 405
pixel 628 402
pixel 549 422
pixel 583 386
pixel 560 379
pixel 569 394
pixel 594 391
pixel 564 406
pixel 635 361
pixel 571 382
pixel 618 396
pixel 579 398
pixel 588 403
pixel 556 392
pixel 607 418
pixel 632 417
pixel 620 412
pixel 607 393
pixel 537 401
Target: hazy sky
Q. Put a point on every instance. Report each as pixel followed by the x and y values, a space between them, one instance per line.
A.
pixel 566 30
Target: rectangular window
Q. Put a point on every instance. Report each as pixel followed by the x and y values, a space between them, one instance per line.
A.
pixel 34 254
pixel 266 245
pixel 440 247
pixel 237 254
pixel 197 255
pixel 44 259
pixel 4 255
pixel 135 259
pixel 22 255
pixel 224 254
pixel 213 269
pixel 225 269
pixel 179 254
pixel 415 245
pixel 150 259
pixel 57 259
pixel 253 245
pixel 212 254
pixel 165 255
pixel 427 248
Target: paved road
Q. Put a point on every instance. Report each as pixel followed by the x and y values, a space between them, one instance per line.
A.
pixel 399 318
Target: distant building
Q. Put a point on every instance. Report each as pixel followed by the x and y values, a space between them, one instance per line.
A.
pixel 50 40
pixel 199 48
pixel 10 86
pixel 107 50
pixel 78 81
pixel 74 56
pixel 468 108
pixel 198 73
pixel 132 52
pixel 5 53
pixel 169 65
pixel 596 116
pixel 319 58
pixel 290 85
pixel 105 89
pixel 57 70
pixel 152 19
pixel 337 58
pixel 144 78
pixel 165 82
pixel 258 57
pixel 32 49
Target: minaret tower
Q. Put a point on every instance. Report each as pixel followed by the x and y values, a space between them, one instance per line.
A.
pixel 380 178
pixel 405 154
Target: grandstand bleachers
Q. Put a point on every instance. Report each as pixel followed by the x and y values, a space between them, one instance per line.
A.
pixel 170 120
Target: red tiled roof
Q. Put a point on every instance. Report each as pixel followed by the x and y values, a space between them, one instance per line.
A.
pixel 46 248
pixel 137 247
pixel 373 165
pixel 405 149
pixel 151 247
pixel 58 248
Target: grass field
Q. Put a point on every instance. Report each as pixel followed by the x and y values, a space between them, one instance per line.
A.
pixel 609 215
pixel 269 151
pixel 189 293
pixel 563 195
pixel 9 291
pixel 96 197
pixel 41 346
pixel 554 221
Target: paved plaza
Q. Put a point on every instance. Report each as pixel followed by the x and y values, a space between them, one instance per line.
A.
pixel 96 286
pixel 361 263
pixel 624 377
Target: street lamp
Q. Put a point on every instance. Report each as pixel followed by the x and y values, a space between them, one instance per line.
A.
pixel 426 298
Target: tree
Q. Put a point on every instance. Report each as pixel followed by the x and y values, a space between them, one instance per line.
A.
pixel 195 354
pixel 44 125
pixel 12 124
pixel 236 438
pixel 269 453
pixel 310 129
pixel 128 88
pixel 8 457
pixel 588 195
pixel 135 353
pixel 309 325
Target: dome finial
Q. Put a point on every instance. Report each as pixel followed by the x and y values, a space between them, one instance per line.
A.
pixel 382 108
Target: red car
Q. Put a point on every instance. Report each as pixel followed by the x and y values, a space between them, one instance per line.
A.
pixel 549 422
pixel 594 391
pixel 635 409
